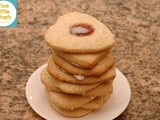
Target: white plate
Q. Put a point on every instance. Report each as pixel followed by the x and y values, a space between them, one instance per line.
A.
pixel 114 106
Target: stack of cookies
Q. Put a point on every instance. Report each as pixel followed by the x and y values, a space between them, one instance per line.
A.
pixel 80 72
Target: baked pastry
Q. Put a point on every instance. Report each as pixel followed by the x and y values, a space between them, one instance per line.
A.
pixel 83 60
pixel 101 67
pixel 52 83
pixel 79 112
pixel 79 33
pixel 93 104
pixel 80 73
pixel 93 90
pixel 61 75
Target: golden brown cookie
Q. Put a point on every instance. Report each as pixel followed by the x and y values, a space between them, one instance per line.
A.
pixel 99 89
pixel 96 103
pixel 99 69
pixel 79 33
pixel 83 60
pixel 61 75
pixel 67 101
pixel 56 85
pixel 79 112
pixel 102 89
pixel 60 98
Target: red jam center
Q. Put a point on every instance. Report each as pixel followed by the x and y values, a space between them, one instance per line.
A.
pixel 81 29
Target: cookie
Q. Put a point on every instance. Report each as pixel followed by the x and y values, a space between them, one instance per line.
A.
pixel 79 33
pixel 99 69
pixel 96 103
pixel 57 99
pixel 102 89
pixel 93 90
pixel 56 85
pixel 79 112
pixel 98 91
pixel 83 60
pixel 61 75
pixel 67 101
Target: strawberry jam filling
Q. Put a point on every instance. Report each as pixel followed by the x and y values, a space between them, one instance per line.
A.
pixel 81 29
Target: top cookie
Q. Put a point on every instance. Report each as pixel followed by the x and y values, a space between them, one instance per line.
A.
pixel 79 33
